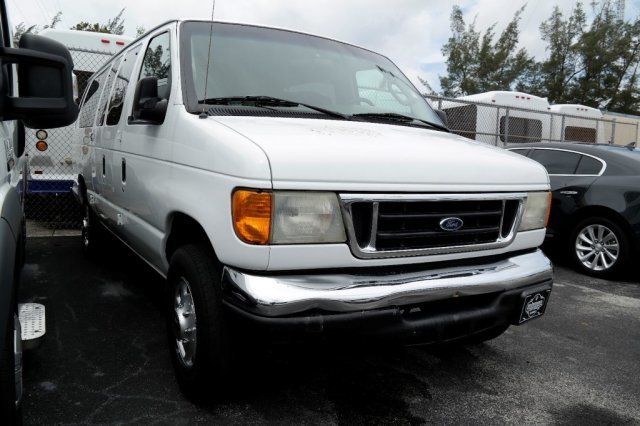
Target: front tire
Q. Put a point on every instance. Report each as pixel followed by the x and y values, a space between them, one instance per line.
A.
pixel 599 247
pixel 196 327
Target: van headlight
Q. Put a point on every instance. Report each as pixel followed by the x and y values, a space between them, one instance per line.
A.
pixel 287 217
pixel 537 207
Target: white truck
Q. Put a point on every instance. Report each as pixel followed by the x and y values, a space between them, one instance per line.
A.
pixel 500 117
pixel 254 168
pixel 49 150
pixel 577 123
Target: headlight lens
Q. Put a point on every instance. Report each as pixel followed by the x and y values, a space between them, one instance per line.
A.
pixel 307 217
pixel 287 217
pixel 536 211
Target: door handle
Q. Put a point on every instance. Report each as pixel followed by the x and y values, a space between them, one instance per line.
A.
pixel 569 192
pixel 124 172
pixel 92 136
pixel 104 167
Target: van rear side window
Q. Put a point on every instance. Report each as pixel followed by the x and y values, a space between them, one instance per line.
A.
pixel 120 87
pixel 113 70
pixel 90 105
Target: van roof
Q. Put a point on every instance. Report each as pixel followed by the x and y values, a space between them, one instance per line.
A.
pixel 577 109
pixel 89 40
pixel 509 98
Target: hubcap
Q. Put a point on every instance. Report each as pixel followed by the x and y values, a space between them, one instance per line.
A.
pixel 597 247
pixel 17 357
pixel 85 227
pixel 184 317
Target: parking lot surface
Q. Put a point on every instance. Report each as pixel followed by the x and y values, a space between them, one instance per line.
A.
pixel 105 360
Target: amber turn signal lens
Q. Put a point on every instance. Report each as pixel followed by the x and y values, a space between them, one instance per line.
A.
pixel 252 216
pixel 41 146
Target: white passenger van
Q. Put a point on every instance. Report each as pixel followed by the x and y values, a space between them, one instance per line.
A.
pixel 49 150
pixel 579 124
pixel 500 117
pixel 255 170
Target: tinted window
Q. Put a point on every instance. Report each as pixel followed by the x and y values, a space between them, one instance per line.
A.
pixel 556 162
pixel 520 151
pixel 462 120
pixel 90 104
pixel 157 63
pixel 113 70
pixel 580 134
pixel 520 130
pixel 120 87
pixel 588 166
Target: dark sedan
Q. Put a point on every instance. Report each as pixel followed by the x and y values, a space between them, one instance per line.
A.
pixel 595 211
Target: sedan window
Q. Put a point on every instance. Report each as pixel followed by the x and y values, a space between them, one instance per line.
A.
pixel 557 162
pixel 589 166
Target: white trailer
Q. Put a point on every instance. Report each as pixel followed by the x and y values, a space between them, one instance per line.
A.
pixel 500 117
pixel 49 150
pixel 577 123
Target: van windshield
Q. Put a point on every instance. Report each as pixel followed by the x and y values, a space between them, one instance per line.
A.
pixel 246 61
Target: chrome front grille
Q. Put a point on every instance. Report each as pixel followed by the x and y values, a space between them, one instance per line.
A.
pixel 411 225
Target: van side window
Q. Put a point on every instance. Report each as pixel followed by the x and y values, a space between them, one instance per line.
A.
pixel 91 98
pixel 113 71
pixel 120 87
pixel 157 63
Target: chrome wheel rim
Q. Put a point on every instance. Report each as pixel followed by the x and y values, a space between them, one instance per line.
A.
pixel 17 358
pixel 85 227
pixel 184 317
pixel 597 247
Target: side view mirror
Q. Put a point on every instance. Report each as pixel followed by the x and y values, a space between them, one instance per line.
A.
pixel 443 117
pixel 148 108
pixel 44 83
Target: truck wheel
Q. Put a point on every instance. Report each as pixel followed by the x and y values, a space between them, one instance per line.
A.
pixel 198 335
pixel 599 247
pixel 92 233
pixel 11 373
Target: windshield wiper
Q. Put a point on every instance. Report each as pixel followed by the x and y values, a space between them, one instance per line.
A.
pixel 401 118
pixel 269 101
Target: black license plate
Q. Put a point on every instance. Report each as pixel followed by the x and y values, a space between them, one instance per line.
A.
pixel 534 305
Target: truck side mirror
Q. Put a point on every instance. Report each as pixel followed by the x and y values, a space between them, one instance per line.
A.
pixel 45 97
pixel 148 108
pixel 443 117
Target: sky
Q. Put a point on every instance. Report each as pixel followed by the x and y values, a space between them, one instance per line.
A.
pixel 410 32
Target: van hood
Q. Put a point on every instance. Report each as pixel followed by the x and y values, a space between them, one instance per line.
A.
pixel 362 156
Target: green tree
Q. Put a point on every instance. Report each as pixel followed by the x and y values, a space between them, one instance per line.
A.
pixel 479 63
pixel 22 28
pixel 113 26
pixel 560 70
pixel 609 59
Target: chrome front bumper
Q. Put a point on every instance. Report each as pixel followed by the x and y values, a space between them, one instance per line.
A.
pixel 279 295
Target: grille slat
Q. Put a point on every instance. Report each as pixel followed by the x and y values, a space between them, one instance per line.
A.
pixel 437 215
pixel 401 225
pixel 418 234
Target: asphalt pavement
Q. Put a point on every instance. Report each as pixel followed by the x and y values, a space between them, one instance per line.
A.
pixel 105 360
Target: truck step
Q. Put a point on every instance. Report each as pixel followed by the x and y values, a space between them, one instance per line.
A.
pixel 33 323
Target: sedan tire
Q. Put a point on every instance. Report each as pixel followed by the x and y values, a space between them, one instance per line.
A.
pixel 599 247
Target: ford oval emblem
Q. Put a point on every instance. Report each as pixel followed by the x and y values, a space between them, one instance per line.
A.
pixel 451 224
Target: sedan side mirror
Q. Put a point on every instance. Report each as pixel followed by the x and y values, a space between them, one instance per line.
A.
pixel 44 83
pixel 148 108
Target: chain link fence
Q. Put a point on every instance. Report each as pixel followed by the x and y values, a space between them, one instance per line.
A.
pixel 501 125
pixel 49 203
